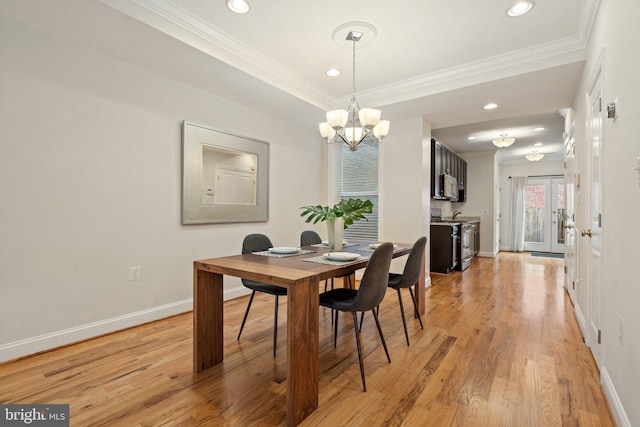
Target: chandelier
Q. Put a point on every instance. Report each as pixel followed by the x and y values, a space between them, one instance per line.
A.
pixel 534 156
pixel 503 141
pixel 354 126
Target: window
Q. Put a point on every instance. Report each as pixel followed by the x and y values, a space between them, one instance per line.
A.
pixel 358 179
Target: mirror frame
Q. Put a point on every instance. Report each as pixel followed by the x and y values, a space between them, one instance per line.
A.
pixel 194 137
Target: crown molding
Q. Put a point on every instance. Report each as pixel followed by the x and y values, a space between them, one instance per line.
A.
pixel 177 22
pixel 527 60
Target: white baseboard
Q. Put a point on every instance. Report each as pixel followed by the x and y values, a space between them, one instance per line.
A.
pixel 579 318
pixel 614 401
pixel 25 347
pixel 486 254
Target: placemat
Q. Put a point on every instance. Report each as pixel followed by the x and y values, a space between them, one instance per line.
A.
pixel 322 245
pixel 323 260
pixel 370 249
pixel 268 253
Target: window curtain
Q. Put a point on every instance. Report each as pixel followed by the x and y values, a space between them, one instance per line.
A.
pixel 518 184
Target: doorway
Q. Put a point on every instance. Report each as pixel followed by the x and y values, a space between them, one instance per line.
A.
pixel 544 215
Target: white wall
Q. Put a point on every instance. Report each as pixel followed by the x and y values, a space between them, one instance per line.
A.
pixel 90 177
pixel 617 32
pixel 480 202
pixel 526 168
pixel 405 169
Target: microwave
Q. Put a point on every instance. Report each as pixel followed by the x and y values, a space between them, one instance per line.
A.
pixel 449 187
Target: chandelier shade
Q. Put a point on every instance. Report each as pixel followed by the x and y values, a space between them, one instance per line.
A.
pixel 503 141
pixel 354 126
pixel 534 156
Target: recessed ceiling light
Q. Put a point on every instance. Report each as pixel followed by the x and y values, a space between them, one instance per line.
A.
pixel 471 138
pixel 238 6
pixel 538 144
pixel 520 8
pixel 490 106
pixel 539 129
pixel 332 72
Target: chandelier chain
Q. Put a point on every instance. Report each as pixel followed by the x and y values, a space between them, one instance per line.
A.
pixel 354 67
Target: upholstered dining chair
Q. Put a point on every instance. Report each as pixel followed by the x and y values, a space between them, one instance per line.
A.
pixel 367 297
pixel 310 237
pixel 409 278
pixel 256 243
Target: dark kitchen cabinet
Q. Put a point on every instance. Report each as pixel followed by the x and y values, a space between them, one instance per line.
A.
pixel 445 161
pixel 444 247
pixel 436 170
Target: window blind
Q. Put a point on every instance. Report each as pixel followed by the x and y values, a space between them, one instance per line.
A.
pixel 358 179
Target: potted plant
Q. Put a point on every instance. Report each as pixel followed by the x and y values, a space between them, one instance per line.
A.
pixel 338 218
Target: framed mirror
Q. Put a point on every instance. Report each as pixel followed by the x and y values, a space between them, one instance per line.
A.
pixel 225 177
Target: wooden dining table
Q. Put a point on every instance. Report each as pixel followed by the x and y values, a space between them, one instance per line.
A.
pixel 301 279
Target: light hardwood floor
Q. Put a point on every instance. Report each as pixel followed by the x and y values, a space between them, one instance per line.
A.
pixel 500 347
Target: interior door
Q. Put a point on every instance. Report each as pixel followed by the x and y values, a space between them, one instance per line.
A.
pixel 570 246
pixel 594 207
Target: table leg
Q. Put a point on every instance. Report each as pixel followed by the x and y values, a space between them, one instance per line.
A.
pixel 302 349
pixel 207 319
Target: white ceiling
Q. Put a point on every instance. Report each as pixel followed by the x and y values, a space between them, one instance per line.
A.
pixel 440 59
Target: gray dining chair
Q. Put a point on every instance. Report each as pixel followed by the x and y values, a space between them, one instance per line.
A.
pixel 409 278
pixel 256 243
pixel 367 297
pixel 309 238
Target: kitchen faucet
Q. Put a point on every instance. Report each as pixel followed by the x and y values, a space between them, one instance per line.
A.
pixel 456 213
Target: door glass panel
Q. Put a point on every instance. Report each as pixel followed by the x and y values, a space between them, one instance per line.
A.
pixel 561 212
pixel 534 213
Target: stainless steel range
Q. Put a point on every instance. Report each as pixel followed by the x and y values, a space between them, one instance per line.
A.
pixel 466 229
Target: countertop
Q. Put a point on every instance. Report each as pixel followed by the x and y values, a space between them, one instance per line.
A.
pixel 457 221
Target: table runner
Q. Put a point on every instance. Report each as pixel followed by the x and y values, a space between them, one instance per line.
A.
pixel 268 253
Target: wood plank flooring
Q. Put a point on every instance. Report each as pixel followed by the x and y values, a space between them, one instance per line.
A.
pixel 500 347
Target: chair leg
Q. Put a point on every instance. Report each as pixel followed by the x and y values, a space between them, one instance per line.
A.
pixel 275 327
pixel 384 344
pixel 415 306
pixel 362 316
pixel 355 327
pixel 335 330
pixel 404 321
pixel 246 313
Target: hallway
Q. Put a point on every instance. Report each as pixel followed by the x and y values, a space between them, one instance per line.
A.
pixel 500 347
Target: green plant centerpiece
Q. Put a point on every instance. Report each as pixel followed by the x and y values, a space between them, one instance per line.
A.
pixel 338 218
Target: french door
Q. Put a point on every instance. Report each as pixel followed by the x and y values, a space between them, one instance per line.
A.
pixel 544 215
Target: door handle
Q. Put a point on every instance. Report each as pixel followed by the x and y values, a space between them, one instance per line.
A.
pixel 586 233
pixel 568 227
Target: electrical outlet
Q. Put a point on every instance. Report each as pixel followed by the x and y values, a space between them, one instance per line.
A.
pixel 135 273
pixel 621 330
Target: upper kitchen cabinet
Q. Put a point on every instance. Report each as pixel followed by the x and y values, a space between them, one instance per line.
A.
pixel 448 174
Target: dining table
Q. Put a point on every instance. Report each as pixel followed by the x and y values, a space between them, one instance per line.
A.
pixel 300 273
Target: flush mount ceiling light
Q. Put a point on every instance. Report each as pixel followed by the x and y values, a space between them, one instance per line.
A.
pixel 520 8
pixel 534 156
pixel 354 126
pixel 490 106
pixel 333 72
pixel 238 6
pixel 503 141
